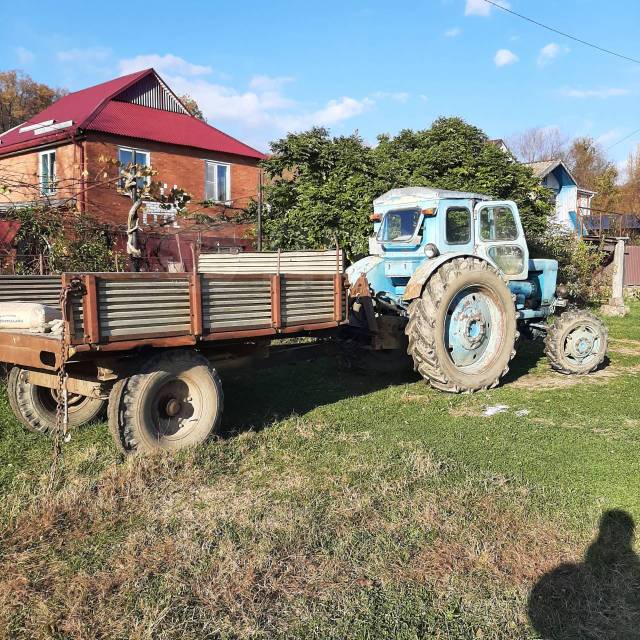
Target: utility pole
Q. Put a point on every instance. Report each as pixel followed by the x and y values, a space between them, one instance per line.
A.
pixel 260 204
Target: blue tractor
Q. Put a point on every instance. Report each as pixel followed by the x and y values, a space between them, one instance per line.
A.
pixel 449 282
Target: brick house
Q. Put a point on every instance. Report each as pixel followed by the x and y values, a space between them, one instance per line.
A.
pixel 61 152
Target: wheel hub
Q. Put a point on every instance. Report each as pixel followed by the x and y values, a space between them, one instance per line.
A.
pixel 472 328
pixel 173 407
pixel 580 343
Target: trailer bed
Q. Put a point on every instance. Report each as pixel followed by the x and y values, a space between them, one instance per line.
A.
pixel 122 311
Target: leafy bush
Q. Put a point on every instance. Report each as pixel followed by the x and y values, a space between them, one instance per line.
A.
pixel 579 264
pixel 66 240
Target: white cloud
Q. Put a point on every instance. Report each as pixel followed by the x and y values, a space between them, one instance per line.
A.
pixel 504 57
pixel 549 52
pixel 166 64
pixel 482 8
pixel 269 83
pixel 424 98
pixel 85 56
pixel 24 55
pixel 595 93
pixel 258 111
pixel 396 96
pixel 452 33
pixel 609 136
pixel 334 112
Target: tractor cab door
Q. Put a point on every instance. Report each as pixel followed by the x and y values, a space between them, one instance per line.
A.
pixel 456 226
pixel 500 238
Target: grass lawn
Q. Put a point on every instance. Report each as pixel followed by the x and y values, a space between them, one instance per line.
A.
pixel 344 507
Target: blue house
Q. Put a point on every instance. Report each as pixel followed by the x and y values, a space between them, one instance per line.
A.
pixel 573 203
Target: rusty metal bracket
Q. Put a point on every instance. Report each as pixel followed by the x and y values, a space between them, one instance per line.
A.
pixel 361 292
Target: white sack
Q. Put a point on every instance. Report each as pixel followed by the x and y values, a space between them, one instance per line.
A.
pixel 29 316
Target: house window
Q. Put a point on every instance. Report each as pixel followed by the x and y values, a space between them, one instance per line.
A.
pixel 48 173
pixel 458 225
pixel 127 157
pixel 217 181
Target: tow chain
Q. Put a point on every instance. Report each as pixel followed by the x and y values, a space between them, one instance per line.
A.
pixel 62 396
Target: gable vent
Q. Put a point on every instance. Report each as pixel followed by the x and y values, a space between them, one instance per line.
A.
pixel 150 91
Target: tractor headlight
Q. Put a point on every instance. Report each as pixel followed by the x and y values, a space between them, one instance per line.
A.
pixel 431 251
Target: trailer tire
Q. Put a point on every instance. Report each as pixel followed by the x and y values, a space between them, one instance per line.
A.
pixel 562 350
pixel 462 330
pixel 36 407
pixel 174 401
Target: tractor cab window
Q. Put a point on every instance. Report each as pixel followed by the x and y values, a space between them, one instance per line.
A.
pixel 497 223
pixel 400 225
pixel 458 225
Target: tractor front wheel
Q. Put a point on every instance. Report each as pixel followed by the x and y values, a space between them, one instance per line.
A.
pixel 576 343
pixel 462 330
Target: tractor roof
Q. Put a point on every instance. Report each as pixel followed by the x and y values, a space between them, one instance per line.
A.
pixel 408 194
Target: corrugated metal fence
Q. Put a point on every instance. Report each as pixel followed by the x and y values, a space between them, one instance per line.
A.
pixel 632 266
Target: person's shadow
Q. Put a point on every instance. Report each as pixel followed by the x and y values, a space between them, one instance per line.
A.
pixel 595 599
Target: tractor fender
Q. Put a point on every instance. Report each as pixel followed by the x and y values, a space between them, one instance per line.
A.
pixel 422 274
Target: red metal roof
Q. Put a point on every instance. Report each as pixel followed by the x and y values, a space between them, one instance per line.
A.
pixel 93 109
pixel 77 106
pixel 136 121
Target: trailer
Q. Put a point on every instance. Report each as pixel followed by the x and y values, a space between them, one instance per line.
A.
pixel 147 348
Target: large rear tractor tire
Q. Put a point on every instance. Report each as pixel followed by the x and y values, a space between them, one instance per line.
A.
pixel 174 401
pixel 462 330
pixel 36 407
pixel 576 343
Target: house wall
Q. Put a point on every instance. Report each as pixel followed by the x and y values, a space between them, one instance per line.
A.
pixel 22 173
pixel 566 197
pixel 175 166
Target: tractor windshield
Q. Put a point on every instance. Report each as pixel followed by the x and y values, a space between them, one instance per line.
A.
pixel 400 225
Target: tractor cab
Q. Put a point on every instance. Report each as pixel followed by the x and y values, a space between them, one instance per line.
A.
pixel 415 225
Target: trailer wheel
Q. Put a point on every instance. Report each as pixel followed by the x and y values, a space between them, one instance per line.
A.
pixel 462 330
pixel 576 343
pixel 36 407
pixel 175 401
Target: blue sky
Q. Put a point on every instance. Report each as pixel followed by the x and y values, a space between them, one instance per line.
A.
pixel 259 69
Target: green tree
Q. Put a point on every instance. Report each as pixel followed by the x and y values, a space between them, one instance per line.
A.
pixel 192 107
pixel 320 192
pixel 321 189
pixel 21 97
pixel 592 170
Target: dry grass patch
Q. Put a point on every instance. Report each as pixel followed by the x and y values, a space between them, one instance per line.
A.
pixel 559 381
pixel 159 547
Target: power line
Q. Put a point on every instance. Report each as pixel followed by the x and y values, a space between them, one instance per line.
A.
pixel 633 133
pixel 562 33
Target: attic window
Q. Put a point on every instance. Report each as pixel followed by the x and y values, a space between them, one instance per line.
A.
pixel 37 125
pixel 52 127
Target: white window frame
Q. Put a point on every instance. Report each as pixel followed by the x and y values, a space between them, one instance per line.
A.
pixel 134 151
pixel 52 186
pixel 216 197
